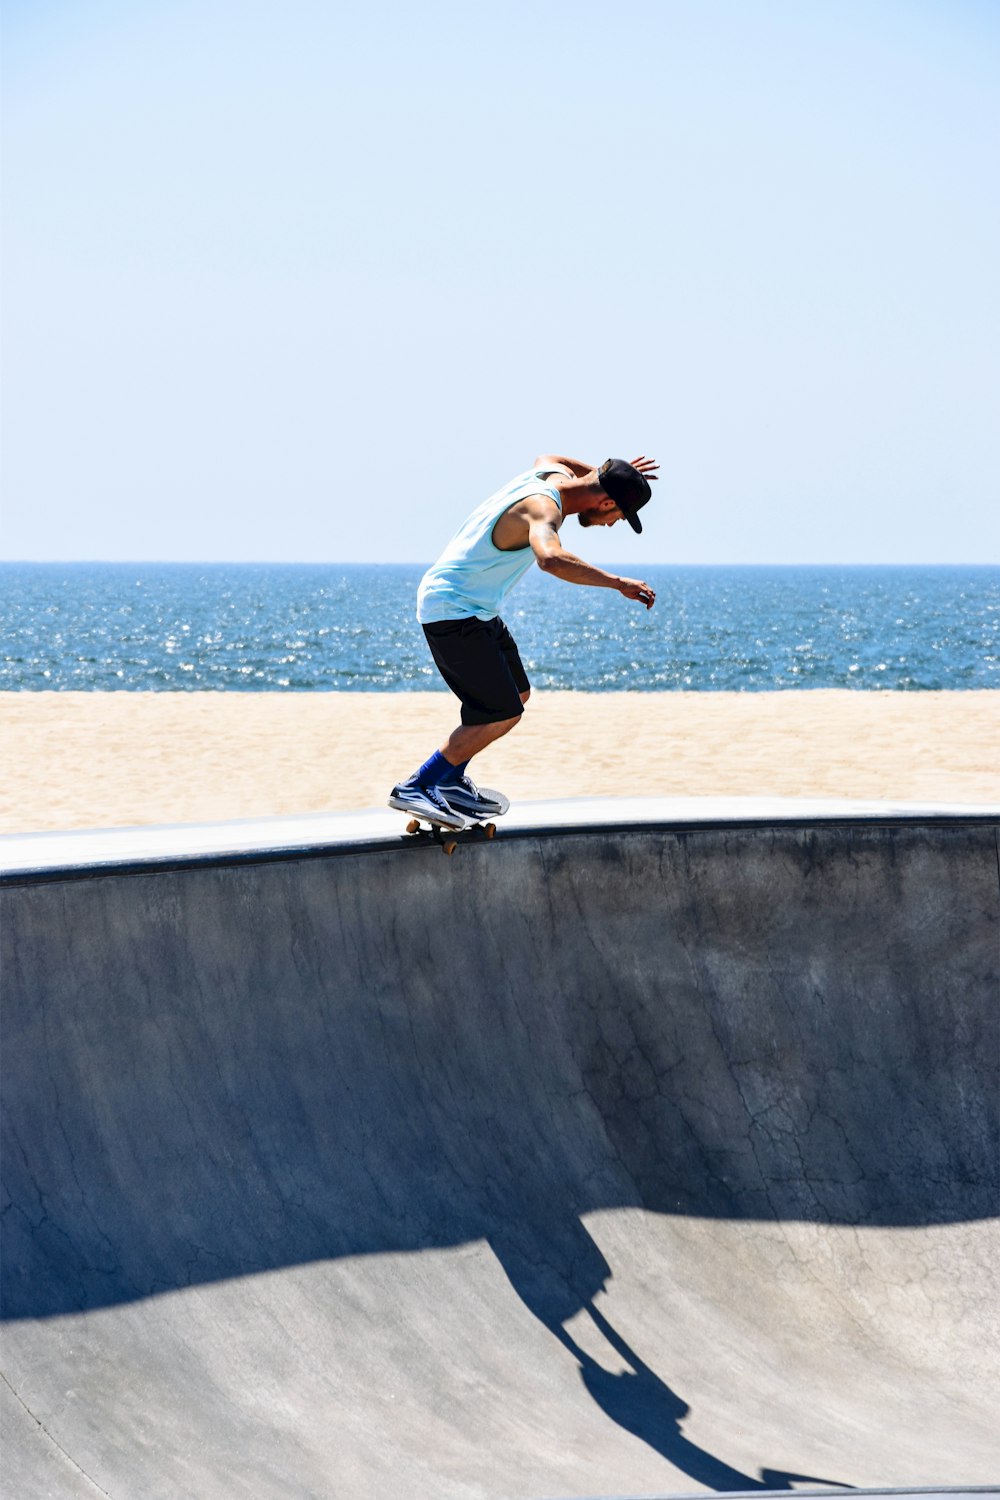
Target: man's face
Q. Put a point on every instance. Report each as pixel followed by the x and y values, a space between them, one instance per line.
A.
pixel 603 512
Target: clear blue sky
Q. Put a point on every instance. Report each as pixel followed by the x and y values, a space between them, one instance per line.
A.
pixel 308 281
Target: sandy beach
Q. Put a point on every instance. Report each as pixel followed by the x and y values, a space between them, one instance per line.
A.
pixel 90 760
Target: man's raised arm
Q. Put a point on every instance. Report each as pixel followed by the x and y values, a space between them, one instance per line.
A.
pixel 576 467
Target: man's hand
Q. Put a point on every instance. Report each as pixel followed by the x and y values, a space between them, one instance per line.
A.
pixel 632 588
pixel 647 466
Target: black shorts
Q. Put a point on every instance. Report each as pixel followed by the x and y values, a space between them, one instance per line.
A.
pixel 478 660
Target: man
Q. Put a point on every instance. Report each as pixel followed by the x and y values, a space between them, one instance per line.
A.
pixel 459 601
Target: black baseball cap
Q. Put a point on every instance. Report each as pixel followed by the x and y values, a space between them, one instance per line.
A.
pixel 626 487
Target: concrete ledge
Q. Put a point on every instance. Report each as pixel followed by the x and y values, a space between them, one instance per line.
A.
pixel 46 856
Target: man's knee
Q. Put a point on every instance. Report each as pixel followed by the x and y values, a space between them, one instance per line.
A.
pixel 493 728
pixel 499 727
pixel 526 695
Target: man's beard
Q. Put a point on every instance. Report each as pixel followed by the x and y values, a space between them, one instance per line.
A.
pixel 584 518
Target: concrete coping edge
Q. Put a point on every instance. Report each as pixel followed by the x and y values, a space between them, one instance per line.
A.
pixel 30 857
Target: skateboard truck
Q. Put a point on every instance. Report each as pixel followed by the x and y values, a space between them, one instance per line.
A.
pixel 447 837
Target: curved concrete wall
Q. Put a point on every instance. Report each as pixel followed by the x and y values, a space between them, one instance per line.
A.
pixel 580 1163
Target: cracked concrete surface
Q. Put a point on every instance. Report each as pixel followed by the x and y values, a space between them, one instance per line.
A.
pixel 605 1162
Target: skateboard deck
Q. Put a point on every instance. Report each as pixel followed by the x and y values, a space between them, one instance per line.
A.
pixel 448 838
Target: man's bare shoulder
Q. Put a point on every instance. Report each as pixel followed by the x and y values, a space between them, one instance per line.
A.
pixel 540 504
pixel 512 528
pixel 540 507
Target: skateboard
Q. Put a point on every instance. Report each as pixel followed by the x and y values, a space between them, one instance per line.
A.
pixel 448 838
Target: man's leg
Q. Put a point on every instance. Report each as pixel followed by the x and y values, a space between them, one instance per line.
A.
pixel 480 663
pixel 468 739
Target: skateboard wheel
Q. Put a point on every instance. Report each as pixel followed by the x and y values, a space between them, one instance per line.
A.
pixel 413 826
pixel 449 846
pixel 489 829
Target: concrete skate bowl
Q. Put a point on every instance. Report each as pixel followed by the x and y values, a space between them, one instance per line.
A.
pixel 592 1161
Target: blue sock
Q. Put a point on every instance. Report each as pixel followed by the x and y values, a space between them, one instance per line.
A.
pixel 434 770
pixel 460 770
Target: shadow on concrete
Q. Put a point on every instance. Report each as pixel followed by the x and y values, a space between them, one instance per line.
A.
pixel 636 1399
pixel 220 1071
pixel 217 1072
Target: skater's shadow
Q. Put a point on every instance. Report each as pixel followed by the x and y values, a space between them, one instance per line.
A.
pixel 636 1399
pixel 643 1404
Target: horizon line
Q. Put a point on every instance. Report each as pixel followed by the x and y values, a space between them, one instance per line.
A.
pixel 289 562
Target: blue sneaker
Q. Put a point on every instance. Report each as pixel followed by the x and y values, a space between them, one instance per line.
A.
pixel 425 802
pixel 477 802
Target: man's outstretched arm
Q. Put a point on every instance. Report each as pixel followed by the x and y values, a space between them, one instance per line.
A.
pixel 575 465
pixel 553 558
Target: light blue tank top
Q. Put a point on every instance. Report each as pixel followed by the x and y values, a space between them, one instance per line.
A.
pixel 472 576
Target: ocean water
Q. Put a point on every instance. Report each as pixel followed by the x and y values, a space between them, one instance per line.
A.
pixel 281 627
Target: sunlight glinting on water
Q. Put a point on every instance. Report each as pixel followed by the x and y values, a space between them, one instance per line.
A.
pixel 256 627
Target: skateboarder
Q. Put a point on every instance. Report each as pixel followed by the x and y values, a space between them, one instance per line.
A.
pixel 459 602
